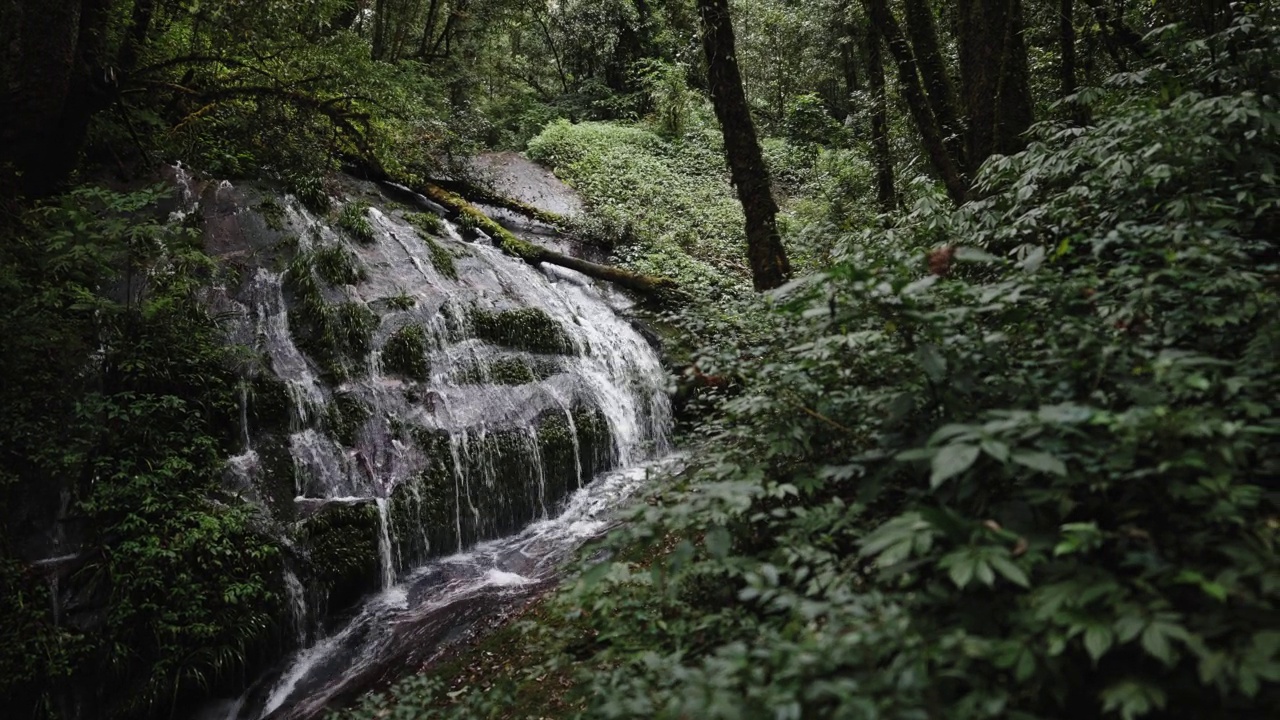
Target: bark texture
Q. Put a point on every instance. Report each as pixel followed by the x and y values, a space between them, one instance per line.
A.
pixel 765 253
pixel 913 92
pixel 923 33
pixel 881 156
pixel 994 77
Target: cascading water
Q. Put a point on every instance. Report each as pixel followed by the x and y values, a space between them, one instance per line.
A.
pixel 482 397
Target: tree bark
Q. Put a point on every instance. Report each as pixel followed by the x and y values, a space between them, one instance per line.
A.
pixel 923 32
pixel 1068 75
pixel 994 78
pixel 880 153
pixel 765 253
pixel 913 92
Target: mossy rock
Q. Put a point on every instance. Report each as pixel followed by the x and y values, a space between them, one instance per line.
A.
pixel 405 353
pixel 506 371
pixel 339 337
pixel 500 485
pixel 270 404
pixel 425 223
pixel 277 484
pixel 341 543
pixel 529 329
pixel 345 416
pixel 403 301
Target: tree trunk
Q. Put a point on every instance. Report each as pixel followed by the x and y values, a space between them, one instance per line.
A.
pixel 923 33
pixel 768 258
pixel 913 92
pixel 994 78
pixel 880 154
pixel 1067 73
pixel 57 86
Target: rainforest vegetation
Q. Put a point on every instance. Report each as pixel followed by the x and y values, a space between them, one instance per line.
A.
pixel 972 311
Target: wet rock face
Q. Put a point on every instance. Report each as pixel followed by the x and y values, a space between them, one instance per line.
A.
pixel 409 394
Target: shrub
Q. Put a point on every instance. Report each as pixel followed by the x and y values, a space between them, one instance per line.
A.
pixel 354 221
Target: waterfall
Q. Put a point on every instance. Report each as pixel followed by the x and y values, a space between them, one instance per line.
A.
pixel 426 419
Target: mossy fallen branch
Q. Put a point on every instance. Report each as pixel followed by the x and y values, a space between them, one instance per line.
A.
pixel 488 197
pixel 534 254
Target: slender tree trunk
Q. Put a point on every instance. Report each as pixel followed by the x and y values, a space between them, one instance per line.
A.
pixel 378 46
pixel 1068 75
pixel 429 30
pixel 768 258
pixel 913 92
pixel 923 33
pixel 880 154
pixel 136 38
pixel 1067 46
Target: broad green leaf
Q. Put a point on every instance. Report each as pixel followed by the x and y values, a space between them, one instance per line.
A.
pixel 932 361
pixel 962 567
pixel 718 542
pixel 1044 462
pixel 1010 570
pixel 950 461
pixel 1097 640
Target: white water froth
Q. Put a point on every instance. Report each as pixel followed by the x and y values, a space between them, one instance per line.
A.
pixel 509 564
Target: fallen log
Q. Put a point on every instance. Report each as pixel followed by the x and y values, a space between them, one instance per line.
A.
pixel 533 254
pixel 480 194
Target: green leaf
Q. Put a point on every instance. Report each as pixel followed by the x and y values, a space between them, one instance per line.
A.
pixel 1044 462
pixel 932 361
pixel 996 449
pixel 718 542
pixel 950 461
pixel 1097 640
pixel 962 567
pixel 1156 640
pixel 1132 698
pixel 1010 570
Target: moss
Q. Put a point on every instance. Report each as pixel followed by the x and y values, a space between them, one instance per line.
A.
pixel 405 353
pixel 272 213
pixel 345 416
pixel 270 405
pixel 341 542
pixel 337 337
pixel 506 371
pixel 337 266
pixel 508 477
pixel 441 258
pixel 425 223
pixel 354 221
pixel 530 329
pixel 277 485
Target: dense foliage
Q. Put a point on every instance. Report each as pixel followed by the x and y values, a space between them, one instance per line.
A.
pixel 123 384
pixel 1006 449
pixel 1038 481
